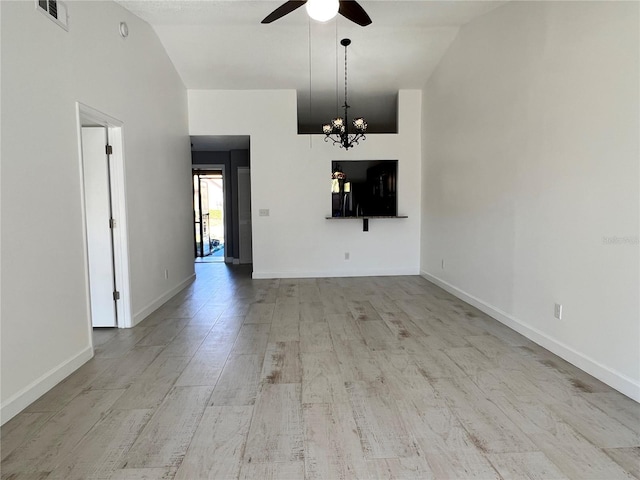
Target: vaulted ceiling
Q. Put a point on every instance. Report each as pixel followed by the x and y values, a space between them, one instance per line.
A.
pixel 223 45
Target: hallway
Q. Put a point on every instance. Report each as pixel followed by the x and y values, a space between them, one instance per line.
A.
pixel 330 378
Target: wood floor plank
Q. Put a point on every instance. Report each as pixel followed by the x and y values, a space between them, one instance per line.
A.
pixel 332 445
pixel 489 345
pixel 595 425
pixel 308 293
pixel 282 363
pixel 163 333
pixel 356 362
pixel 103 449
pixel 166 473
pixel 285 329
pixel 260 313
pixel 153 384
pixel 617 406
pixel 414 468
pixel 462 465
pixel 401 325
pixel 437 364
pixel 276 429
pixel 315 337
pixel 60 395
pixel 26 476
pixel 377 336
pixel 576 457
pixel 187 342
pixel 470 360
pixel 491 430
pixel 445 332
pixel 531 465
pixel 363 310
pixel 207 315
pixel 289 310
pixel 405 379
pixel 164 440
pixel 218 444
pixel 383 303
pixel 122 342
pixel 203 369
pixel 322 380
pixel 252 339
pixel 343 328
pixel 127 369
pixel 238 383
pixel 222 335
pixel 273 471
pixel 60 435
pixel 628 458
pixel 435 429
pixel 382 432
pixel 20 429
pixel 312 311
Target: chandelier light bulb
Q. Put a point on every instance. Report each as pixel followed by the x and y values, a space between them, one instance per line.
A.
pixel 322 10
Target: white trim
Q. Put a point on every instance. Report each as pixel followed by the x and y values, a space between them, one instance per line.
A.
pixel 162 299
pixel 29 394
pixel 617 380
pixel 334 274
pixel 88 115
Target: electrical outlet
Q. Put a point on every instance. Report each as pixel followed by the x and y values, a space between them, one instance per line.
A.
pixel 557 311
pixel 346 255
pixel 263 212
pixel 166 274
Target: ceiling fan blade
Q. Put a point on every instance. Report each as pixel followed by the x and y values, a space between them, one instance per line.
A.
pixel 283 10
pixel 352 10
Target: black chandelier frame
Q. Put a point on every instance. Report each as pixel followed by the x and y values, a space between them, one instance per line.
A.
pixel 338 130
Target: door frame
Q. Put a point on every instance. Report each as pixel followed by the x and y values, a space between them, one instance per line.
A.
pixel 214 166
pixel 245 260
pixel 88 116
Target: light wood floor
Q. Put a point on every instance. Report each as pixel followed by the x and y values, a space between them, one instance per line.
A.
pixel 357 378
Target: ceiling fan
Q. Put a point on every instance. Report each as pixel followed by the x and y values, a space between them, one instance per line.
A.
pixel 350 9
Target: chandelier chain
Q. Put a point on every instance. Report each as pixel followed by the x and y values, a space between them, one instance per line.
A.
pixel 345 77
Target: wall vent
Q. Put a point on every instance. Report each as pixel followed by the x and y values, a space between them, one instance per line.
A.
pixel 55 10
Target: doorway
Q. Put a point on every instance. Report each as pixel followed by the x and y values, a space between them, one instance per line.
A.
pixel 209 215
pixel 103 202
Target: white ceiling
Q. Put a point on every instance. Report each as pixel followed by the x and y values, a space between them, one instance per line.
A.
pixel 223 45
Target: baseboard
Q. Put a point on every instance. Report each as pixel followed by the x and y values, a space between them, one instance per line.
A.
pixel 25 397
pixel 336 274
pixel 161 300
pixel 616 380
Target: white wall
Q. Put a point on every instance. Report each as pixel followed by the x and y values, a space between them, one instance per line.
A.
pixel 290 176
pixel 530 165
pixel 45 71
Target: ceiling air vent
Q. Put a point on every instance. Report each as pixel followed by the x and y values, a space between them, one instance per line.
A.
pixel 54 10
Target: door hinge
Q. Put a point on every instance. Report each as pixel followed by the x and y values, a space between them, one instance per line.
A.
pixel 108 149
pixel 116 295
pixel 112 223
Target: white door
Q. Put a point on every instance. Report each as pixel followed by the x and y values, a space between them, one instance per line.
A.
pixel 244 214
pixel 97 194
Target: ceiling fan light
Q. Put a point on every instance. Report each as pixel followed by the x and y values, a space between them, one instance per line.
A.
pixel 322 10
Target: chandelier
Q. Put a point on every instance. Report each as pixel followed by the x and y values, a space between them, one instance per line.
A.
pixel 338 130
